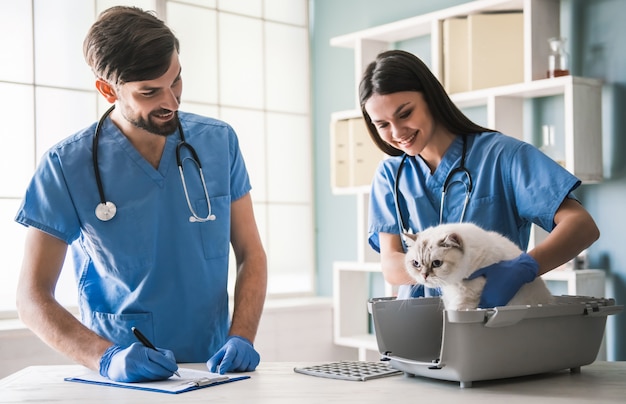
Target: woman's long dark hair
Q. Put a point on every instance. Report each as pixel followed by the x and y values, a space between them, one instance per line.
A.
pixel 398 70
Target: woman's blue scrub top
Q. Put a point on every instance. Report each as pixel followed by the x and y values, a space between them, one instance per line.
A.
pixel 514 185
pixel 148 267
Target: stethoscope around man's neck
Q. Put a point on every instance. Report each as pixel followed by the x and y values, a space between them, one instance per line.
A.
pixel 106 210
pixel 446 185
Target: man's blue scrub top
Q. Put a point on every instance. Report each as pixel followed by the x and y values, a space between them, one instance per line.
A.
pixel 149 266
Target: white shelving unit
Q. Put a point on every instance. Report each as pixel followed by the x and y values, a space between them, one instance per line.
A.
pixel 351 318
pixel 579 282
pixel 541 21
pixel 582 98
pixel 351 282
pixel 505 112
pixel 582 117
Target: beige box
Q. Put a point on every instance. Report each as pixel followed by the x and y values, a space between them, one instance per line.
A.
pixel 455 55
pixel 354 156
pixel 496 49
pixel 366 155
pixel 340 154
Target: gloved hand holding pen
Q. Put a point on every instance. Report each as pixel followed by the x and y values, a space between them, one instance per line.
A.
pixel 137 363
pixel 237 355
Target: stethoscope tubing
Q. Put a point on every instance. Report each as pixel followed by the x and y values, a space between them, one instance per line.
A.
pixel 469 186
pixel 94 153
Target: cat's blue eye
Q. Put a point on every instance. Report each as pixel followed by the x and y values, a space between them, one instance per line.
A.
pixel 437 263
pixel 415 264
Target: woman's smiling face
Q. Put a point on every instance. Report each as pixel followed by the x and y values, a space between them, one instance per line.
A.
pixel 402 119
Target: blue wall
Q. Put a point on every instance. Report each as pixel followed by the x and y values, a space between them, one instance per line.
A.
pixel 600 52
pixel 598 49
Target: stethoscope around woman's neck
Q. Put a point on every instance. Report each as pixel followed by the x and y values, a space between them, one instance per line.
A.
pixel 446 185
pixel 106 210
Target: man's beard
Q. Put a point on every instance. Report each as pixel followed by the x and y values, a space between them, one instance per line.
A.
pixel 148 125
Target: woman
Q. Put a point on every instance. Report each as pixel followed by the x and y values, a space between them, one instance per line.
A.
pixel 492 180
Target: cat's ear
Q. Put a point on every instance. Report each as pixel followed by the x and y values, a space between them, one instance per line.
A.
pixel 453 240
pixel 409 239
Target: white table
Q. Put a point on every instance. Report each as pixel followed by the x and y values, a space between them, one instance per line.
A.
pixel 272 383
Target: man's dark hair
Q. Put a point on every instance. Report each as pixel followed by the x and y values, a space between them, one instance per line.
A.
pixel 129 44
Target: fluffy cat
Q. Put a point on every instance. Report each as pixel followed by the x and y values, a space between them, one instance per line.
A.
pixel 443 256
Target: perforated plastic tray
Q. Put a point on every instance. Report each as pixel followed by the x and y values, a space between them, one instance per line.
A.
pixel 350 370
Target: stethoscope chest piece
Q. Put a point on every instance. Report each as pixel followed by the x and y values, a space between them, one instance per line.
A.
pixel 106 211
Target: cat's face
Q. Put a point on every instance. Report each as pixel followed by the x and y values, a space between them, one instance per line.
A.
pixel 435 260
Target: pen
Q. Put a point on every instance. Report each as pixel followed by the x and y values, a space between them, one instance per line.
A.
pixel 146 342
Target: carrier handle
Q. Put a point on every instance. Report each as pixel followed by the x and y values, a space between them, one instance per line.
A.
pixel 505 316
pixel 431 365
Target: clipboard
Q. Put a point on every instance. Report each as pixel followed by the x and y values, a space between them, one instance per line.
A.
pixel 189 380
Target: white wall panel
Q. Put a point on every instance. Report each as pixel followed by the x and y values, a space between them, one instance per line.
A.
pixel 287 76
pixel 102 5
pixel 291 258
pixel 289 158
pixel 61 113
pixel 196 29
pixel 11 251
pixel 60 28
pixel 17 158
pixel 250 128
pixel 201 3
pixel 16 41
pixel 288 11
pixel 252 8
pixel 241 61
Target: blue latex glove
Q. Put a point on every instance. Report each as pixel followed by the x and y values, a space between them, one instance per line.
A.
pixel 504 279
pixel 137 363
pixel 237 355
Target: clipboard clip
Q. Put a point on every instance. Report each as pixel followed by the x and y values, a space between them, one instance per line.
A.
pixel 205 381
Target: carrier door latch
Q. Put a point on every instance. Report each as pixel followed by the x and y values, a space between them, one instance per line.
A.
pixel 597 307
pixel 591 307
